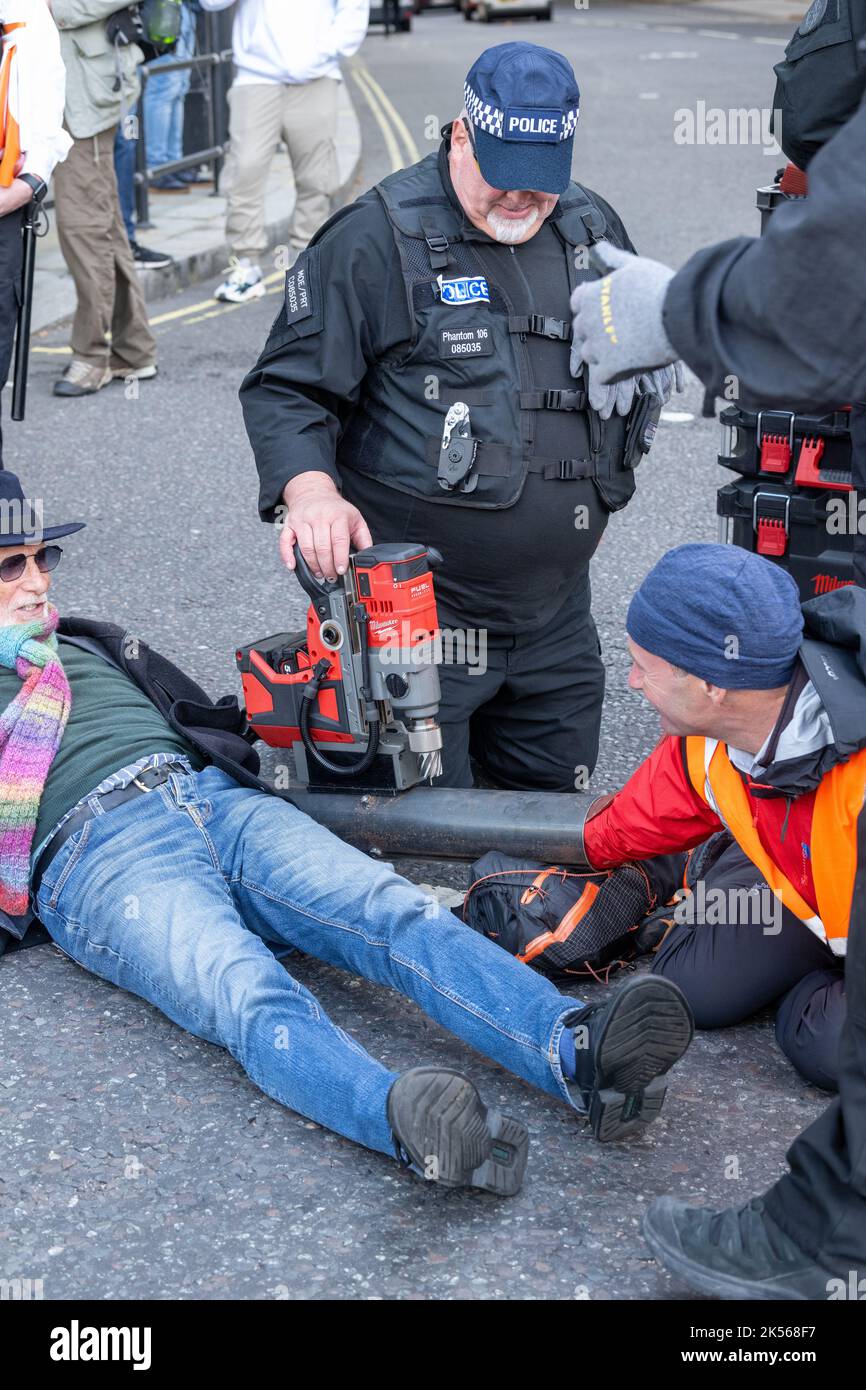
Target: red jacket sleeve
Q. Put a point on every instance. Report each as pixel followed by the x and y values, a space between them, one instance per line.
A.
pixel 658 811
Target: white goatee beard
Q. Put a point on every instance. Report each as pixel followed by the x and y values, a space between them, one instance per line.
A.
pixel 507 230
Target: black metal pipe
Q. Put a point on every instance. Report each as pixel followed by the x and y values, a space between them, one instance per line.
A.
pixel 442 823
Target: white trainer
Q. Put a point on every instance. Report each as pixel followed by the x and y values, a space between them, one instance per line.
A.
pixel 244 281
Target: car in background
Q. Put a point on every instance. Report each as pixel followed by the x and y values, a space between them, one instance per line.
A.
pixel 422 5
pixel 488 10
pixel 405 10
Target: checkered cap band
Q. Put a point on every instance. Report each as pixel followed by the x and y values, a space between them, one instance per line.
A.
pixel 488 117
pixel 482 114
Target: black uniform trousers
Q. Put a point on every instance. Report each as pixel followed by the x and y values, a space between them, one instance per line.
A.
pixel 11 253
pixel 727 971
pixel 730 969
pixel 526 707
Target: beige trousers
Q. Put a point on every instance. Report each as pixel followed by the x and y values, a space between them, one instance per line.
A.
pixel 260 115
pixel 96 249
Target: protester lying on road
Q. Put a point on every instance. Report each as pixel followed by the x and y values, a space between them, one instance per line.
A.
pixel 765 738
pixel 131 818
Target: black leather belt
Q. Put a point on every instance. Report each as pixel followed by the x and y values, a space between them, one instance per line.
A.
pixel 141 783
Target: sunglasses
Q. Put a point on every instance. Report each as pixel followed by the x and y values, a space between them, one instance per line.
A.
pixel 14 566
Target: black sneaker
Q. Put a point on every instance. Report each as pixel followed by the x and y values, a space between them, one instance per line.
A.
pixel 149 260
pixel 737 1253
pixel 168 183
pixel 630 1044
pixel 443 1128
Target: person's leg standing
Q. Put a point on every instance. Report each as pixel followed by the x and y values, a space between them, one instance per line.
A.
pixel 184 48
pixel 85 198
pixel 159 103
pixel 137 898
pixel 310 132
pixel 11 248
pixel 254 133
pixel 125 142
pixel 541 729
pixel 133 346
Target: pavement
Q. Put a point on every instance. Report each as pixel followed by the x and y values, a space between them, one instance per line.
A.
pixel 139 1161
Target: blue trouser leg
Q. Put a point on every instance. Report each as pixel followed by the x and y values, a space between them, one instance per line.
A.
pixel 137 898
pixel 173 896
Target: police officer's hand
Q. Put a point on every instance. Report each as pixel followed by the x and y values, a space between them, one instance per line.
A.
pixel 323 523
pixel 618 325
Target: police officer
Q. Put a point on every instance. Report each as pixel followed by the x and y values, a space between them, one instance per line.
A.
pixel 447 286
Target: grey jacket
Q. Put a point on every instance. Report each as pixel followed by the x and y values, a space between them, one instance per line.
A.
pixel 101 82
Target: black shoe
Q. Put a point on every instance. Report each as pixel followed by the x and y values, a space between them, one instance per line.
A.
pixel 168 183
pixel 149 260
pixel 737 1253
pixel 195 177
pixel 442 1126
pixel 631 1043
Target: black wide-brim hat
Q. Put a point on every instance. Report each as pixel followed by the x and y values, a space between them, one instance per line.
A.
pixel 21 521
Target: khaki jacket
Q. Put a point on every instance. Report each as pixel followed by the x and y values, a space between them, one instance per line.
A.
pixel 101 81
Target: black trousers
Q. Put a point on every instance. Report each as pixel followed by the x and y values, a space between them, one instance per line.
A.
pixel 821 1025
pixel 729 969
pixel 11 250
pixel 527 708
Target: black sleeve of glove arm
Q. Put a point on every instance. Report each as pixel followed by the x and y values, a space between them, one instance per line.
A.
pixel 785 313
pixel 344 306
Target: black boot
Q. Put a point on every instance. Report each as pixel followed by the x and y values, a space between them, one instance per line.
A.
pixel 737 1253
pixel 444 1129
pixel 630 1043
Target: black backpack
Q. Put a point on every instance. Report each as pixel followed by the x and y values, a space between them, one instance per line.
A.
pixel 562 922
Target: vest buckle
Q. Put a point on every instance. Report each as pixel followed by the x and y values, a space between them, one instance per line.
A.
pixel 545 327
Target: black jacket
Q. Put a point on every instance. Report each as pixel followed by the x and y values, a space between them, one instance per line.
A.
pixel 217 730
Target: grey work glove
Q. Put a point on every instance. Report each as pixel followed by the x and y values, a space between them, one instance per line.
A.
pixel 620 396
pixel 604 399
pixel 618 325
pixel 664 381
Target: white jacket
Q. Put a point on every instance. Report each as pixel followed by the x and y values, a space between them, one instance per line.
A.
pixel 293 40
pixel 32 73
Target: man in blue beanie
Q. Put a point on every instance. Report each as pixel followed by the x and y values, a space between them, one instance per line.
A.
pixel 761 774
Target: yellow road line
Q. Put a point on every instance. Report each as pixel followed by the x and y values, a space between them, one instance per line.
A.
pixel 381 120
pixel 396 119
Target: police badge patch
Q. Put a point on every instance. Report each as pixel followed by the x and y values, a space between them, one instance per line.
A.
pixel 299 292
pixel 467 289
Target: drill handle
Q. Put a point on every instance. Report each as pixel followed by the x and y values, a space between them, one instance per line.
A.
pixel 312 587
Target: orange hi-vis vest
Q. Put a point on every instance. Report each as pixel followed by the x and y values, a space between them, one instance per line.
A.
pixel 10 135
pixel 838 805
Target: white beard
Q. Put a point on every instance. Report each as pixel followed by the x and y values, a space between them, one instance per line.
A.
pixel 509 231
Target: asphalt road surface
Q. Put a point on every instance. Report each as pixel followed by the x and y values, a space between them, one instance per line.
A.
pixel 137 1161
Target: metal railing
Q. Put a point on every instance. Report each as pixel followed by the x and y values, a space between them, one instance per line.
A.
pixel 215 66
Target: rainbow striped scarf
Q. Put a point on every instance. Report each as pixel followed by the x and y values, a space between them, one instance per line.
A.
pixel 31 728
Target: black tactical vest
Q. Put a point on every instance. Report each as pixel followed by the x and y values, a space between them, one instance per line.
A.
pixel 472 344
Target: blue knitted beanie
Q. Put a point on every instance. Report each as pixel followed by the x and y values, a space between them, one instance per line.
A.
pixel 720 613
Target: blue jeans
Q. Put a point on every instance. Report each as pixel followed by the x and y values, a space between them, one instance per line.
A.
pixel 124 169
pixel 164 99
pixel 178 896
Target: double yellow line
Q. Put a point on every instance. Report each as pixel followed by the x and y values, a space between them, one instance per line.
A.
pixel 387 117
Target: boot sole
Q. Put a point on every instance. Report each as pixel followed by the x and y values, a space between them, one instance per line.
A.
pixel 649 1028
pixel 451 1135
pixel 718 1285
